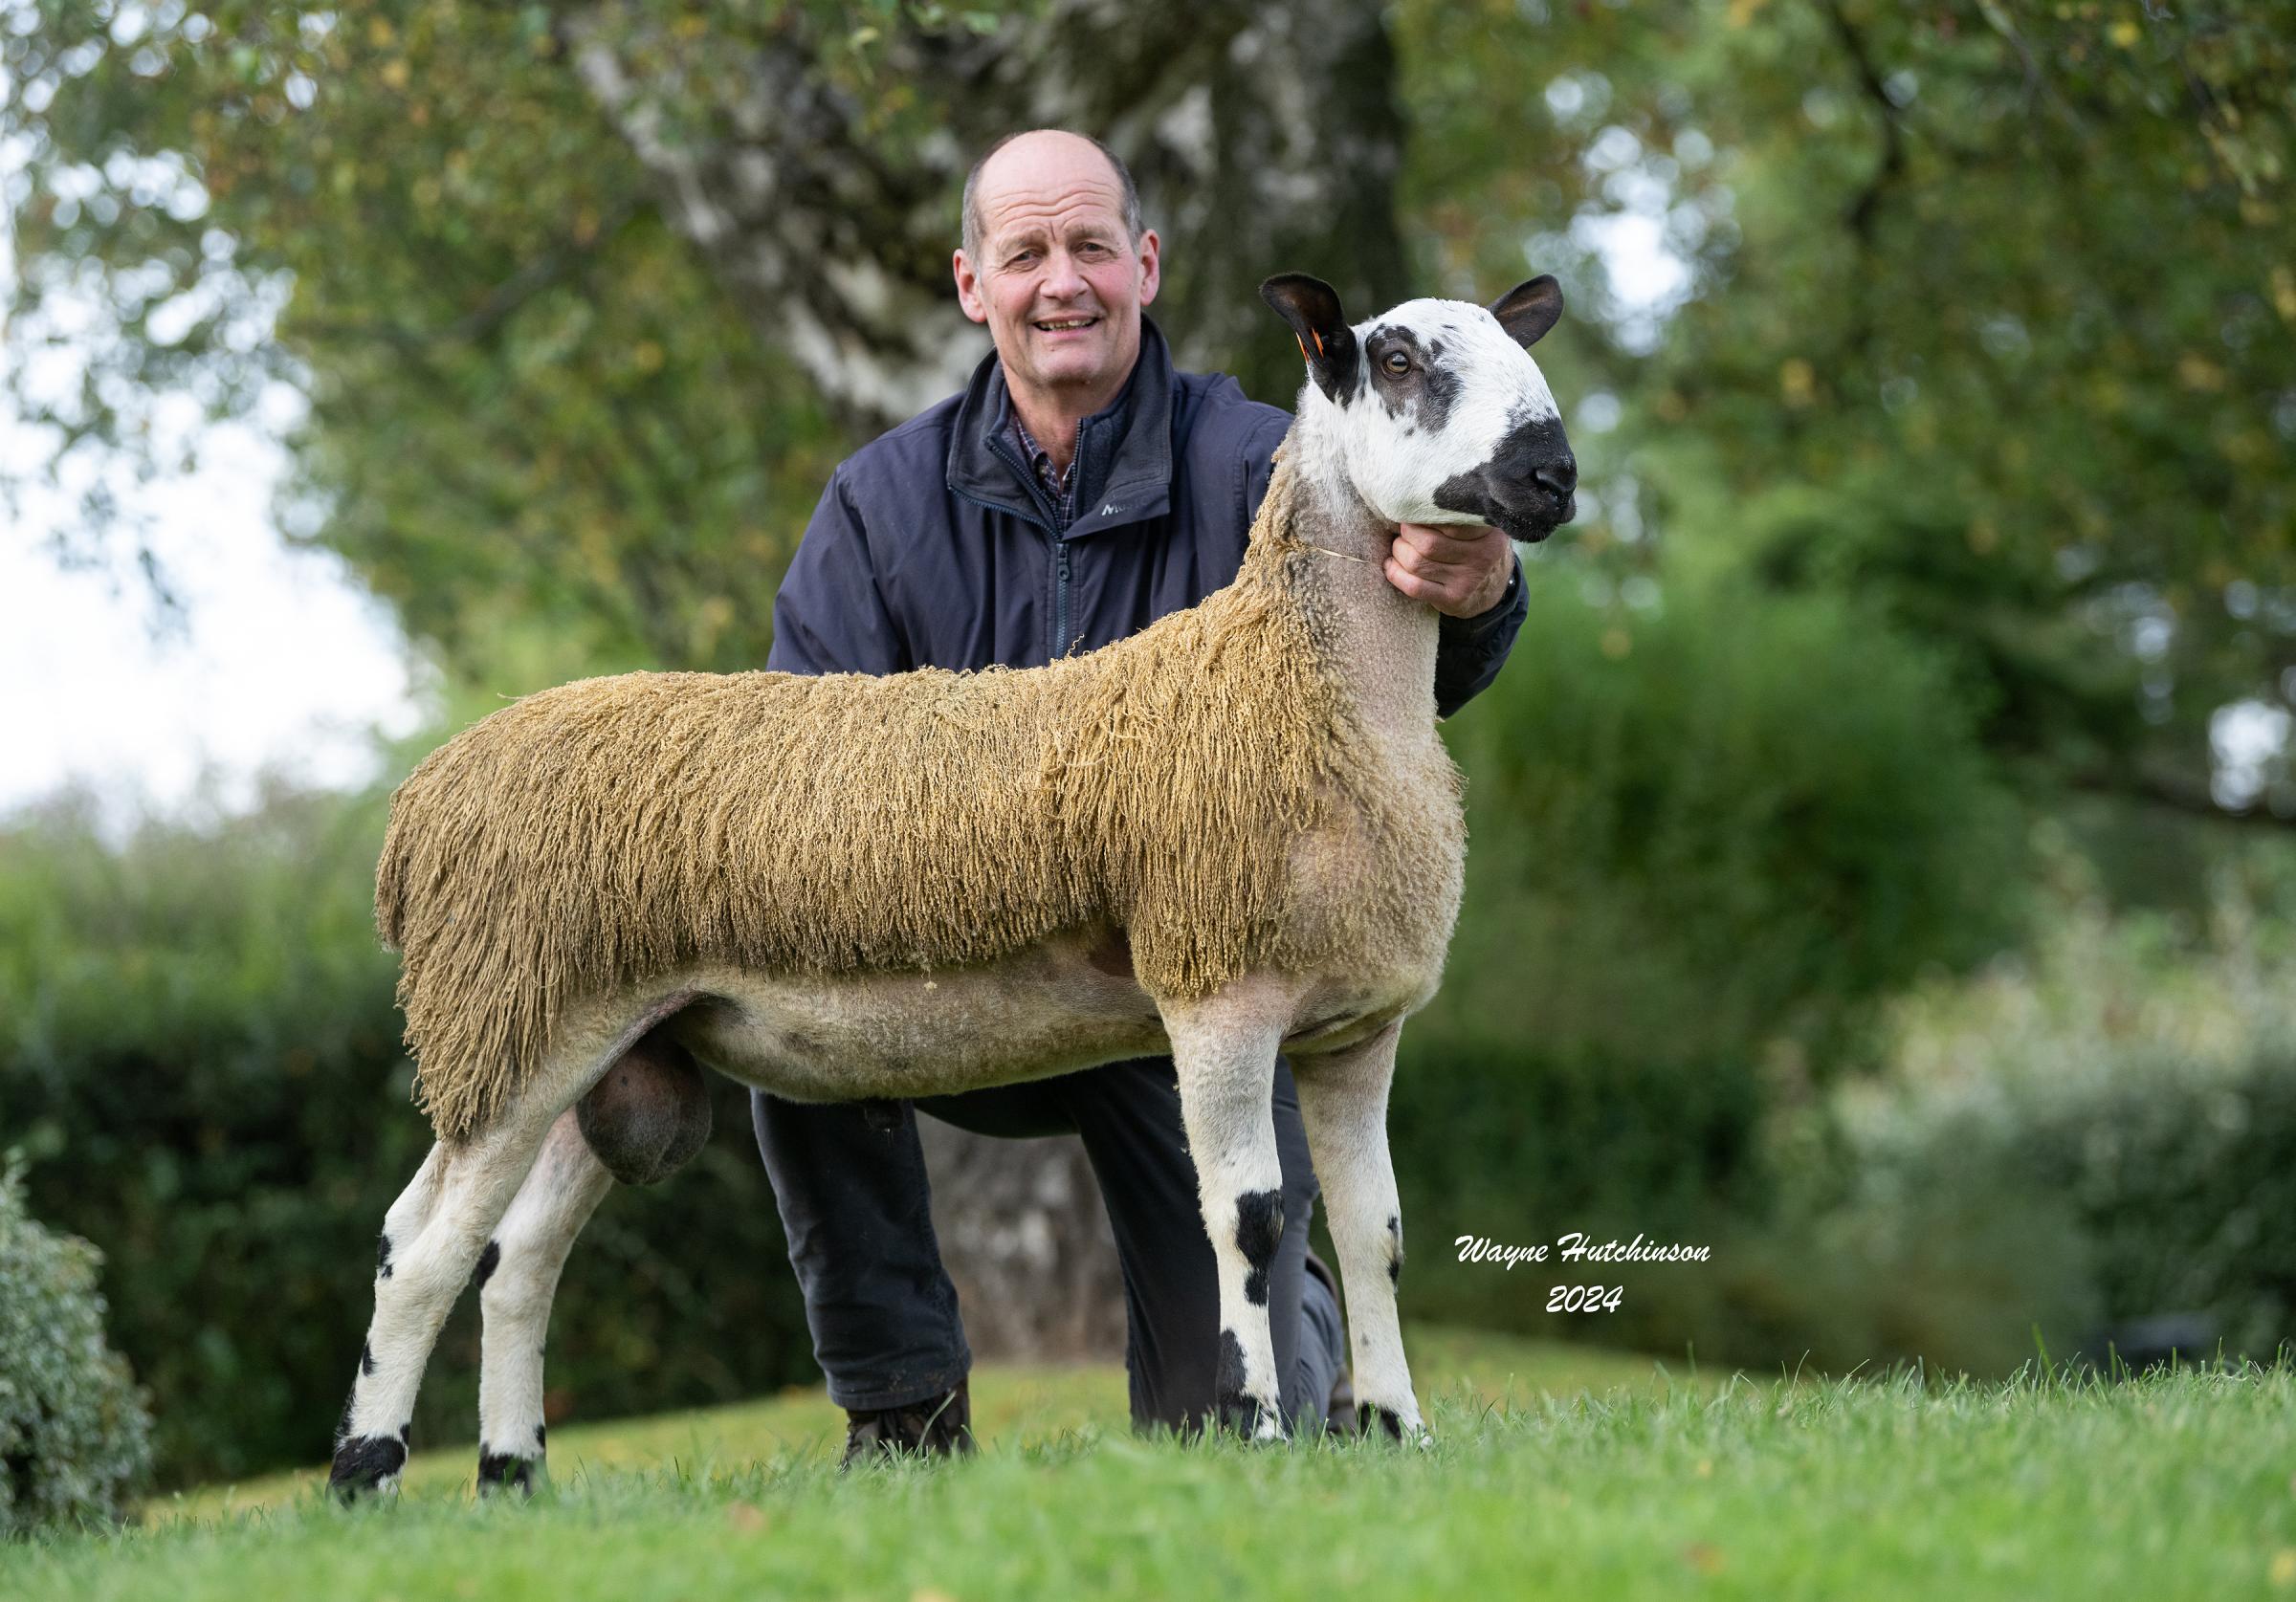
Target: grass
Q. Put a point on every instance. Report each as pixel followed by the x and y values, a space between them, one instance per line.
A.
pixel 1556 1472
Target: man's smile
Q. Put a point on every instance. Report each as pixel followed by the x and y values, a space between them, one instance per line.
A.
pixel 1064 325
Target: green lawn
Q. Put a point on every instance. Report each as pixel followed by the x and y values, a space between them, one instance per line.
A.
pixel 1556 1472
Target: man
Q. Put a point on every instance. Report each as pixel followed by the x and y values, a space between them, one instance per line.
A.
pixel 1079 488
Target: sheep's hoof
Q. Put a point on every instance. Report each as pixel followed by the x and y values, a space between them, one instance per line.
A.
pixel 365 1464
pixel 502 1474
pixel 1387 1424
pixel 650 1114
pixel 1237 1409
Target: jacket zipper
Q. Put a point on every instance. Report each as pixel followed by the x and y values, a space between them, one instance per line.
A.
pixel 1053 646
pixel 1060 597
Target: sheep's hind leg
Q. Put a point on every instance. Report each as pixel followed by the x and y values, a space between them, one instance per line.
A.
pixel 432 1240
pixel 1224 1049
pixel 517 1278
pixel 1343 1102
pixel 405 1220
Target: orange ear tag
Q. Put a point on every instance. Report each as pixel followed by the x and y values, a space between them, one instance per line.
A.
pixel 1318 342
pixel 1302 344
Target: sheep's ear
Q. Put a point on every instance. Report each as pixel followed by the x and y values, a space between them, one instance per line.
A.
pixel 1528 309
pixel 1311 307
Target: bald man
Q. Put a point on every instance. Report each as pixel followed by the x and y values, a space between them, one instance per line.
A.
pixel 1078 490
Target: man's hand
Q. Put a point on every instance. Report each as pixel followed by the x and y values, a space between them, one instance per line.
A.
pixel 1460 569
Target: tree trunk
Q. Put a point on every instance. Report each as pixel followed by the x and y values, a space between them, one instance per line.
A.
pixel 1028 1244
pixel 1264 137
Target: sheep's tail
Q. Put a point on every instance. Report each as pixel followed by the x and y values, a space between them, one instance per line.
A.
pixel 469 1061
pixel 392 870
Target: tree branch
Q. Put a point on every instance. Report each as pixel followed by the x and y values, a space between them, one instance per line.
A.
pixel 499 303
pixel 1861 213
pixel 2170 793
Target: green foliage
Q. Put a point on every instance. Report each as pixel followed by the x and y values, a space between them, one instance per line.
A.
pixel 1704 816
pixel 2097 1137
pixel 75 1438
pixel 528 406
pixel 199 1051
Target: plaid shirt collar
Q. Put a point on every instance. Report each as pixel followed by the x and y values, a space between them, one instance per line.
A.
pixel 1059 483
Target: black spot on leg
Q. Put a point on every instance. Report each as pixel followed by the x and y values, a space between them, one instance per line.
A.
pixel 488 1260
pixel 1259 1226
pixel 1236 1410
pixel 1395 1250
pixel 382 1256
pixel 363 1463
pixel 366 1358
pixel 542 1438
pixel 407 1432
pixel 1371 1417
pixel 500 1470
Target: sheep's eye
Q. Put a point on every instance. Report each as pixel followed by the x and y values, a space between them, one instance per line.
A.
pixel 1397 363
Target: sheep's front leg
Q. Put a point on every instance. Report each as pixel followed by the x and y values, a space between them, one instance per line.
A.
pixel 1224 1052
pixel 517 1278
pixel 1343 1103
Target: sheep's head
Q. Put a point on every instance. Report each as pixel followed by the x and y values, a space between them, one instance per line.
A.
pixel 1440 414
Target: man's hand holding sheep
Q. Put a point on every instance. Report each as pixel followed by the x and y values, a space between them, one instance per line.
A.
pixel 1461 569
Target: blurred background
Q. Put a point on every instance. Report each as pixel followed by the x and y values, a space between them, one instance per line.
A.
pixel 1884 838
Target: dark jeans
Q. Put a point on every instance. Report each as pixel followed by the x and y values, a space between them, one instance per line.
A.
pixel 850 1181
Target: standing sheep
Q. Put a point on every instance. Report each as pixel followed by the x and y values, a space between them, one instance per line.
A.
pixel 1234 833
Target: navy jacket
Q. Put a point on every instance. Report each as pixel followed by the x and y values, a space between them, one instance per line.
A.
pixel 934 546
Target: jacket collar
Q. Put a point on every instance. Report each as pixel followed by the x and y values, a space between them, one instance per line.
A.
pixel 1123 455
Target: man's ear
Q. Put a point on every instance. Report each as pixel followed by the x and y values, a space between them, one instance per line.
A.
pixel 1528 309
pixel 968 287
pixel 1311 307
pixel 1152 254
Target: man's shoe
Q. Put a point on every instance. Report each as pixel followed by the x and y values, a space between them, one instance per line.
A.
pixel 940 1429
pixel 1339 1410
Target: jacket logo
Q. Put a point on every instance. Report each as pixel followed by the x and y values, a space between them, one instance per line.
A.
pixel 1111 510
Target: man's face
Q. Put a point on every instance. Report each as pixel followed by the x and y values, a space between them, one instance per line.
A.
pixel 1059 282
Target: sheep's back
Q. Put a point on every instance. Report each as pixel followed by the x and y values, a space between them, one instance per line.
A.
pixel 620 827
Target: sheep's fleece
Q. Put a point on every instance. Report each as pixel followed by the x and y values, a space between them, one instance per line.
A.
pixel 612 830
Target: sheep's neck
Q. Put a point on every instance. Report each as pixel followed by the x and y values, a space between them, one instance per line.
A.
pixel 1377 640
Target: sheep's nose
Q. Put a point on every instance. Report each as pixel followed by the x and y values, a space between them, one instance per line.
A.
pixel 1560 476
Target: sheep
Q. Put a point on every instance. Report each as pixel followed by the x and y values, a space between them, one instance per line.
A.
pixel 1234 833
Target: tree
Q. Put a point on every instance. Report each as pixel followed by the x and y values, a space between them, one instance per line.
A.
pixel 817 165
pixel 1987 311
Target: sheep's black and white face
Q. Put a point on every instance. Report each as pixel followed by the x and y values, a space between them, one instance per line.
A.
pixel 1439 413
